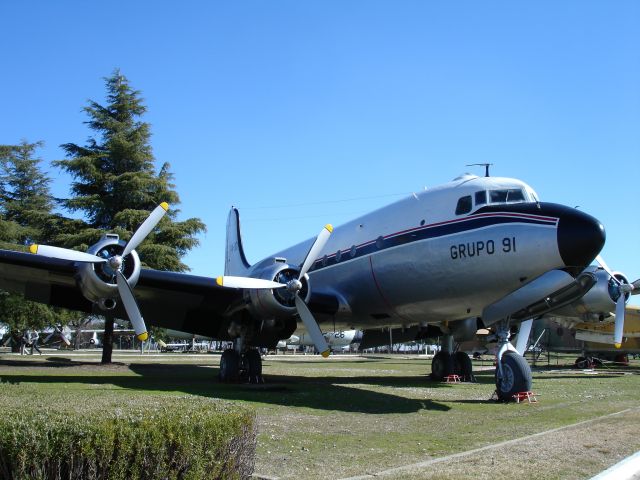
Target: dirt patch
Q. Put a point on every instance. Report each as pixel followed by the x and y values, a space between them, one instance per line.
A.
pixel 571 453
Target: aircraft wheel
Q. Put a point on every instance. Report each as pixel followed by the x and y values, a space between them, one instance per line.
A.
pixel 229 366
pixel 582 362
pixel 516 376
pixel 463 366
pixel 441 365
pixel 254 366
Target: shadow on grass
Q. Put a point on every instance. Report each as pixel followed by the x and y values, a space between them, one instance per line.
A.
pixel 47 362
pixel 323 393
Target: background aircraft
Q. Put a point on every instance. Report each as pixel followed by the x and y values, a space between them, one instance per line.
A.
pixel 335 340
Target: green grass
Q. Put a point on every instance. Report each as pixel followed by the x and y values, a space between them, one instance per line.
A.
pixel 347 416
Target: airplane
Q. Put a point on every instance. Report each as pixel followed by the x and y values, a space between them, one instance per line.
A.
pixel 189 342
pixel 588 339
pixel 337 340
pixel 475 252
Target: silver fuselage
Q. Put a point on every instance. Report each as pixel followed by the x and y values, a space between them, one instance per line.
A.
pixel 416 261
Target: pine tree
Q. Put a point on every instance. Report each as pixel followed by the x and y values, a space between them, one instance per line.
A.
pixel 25 217
pixel 116 185
pixel 24 193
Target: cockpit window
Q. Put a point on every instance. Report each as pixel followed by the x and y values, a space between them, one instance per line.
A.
pixel 481 198
pixel 464 205
pixel 511 195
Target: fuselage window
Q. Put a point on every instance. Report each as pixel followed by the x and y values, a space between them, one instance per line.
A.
pixel 464 205
pixel 481 198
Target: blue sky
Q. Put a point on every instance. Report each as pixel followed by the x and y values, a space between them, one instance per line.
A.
pixel 324 110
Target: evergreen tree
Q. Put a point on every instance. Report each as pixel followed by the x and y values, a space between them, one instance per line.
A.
pixel 26 200
pixel 25 217
pixel 116 185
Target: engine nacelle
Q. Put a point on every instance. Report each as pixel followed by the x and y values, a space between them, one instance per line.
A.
pixel 600 302
pixel 97 281
pixel 278 303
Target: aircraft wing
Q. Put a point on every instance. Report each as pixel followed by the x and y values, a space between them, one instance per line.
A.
pixel 179 301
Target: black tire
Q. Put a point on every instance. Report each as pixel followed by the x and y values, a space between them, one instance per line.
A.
pixel 462 366
pixel 581 362
pixel 441 366
pixel 229 366
pixel 254 366
pixel 517 376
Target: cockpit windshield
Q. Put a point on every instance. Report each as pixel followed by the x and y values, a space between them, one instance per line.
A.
pixel 493 197
pixel 510 195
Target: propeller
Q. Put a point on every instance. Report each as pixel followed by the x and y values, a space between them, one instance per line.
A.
pixel 65 254
pixel 624 289
pixel 294 286
pixel 115 263
pixel 247 282
pixel 57 331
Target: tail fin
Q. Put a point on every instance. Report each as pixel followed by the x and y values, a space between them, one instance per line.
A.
pixel 235 262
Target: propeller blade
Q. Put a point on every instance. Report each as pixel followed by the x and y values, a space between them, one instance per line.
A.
pixel 131 307
pixel 316 248
pixel 606 268
pixel 145 229
pixel 64 338
pixel 619 324
pixel 65 254
pixel 48 337
pixel 636 287
pixel 247 282
pixel 312 327
pixel 523 336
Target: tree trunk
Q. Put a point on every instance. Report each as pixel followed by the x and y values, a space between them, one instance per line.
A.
pixel 107 340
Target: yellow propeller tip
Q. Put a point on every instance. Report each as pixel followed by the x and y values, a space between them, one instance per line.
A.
pixel 165 205
pixel 618 345
pixel 143 336
pixel 219 281
pixel 325 354
pixel 329 227
pixel 33 248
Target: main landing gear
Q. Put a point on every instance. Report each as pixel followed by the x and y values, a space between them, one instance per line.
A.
pixel 513 374
pixel 446 363
pixel 238 364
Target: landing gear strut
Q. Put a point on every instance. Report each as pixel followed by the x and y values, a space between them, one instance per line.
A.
pixel 240 364
pixel 513 374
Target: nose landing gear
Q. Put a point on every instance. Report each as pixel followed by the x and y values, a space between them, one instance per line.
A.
pixel 513 374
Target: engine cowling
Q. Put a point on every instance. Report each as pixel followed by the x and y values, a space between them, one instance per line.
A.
pixel 600 302
pixel 97 281
pixel 278 303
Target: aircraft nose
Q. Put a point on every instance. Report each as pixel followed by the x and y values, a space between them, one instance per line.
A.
pixel 580 238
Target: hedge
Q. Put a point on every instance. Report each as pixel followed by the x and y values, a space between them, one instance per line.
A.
pixel 146 437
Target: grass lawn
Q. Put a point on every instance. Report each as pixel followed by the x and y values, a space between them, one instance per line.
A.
pixel 348 416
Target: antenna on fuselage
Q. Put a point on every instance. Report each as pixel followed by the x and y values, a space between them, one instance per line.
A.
pixel 485 165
